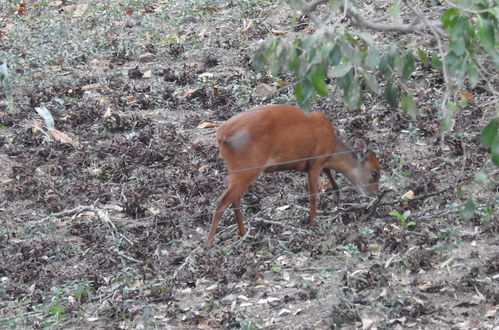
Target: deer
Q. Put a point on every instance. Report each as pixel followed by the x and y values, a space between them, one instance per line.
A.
pixel 271 138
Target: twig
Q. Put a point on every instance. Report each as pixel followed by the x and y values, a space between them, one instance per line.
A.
pixel 432 29
pixel 374 205
pixel 101 215
pixel 313 6
pixel 358 19
pixel 76 210
pixel 471 11
pixel 123 255
pixel 187 259
pixel 3 183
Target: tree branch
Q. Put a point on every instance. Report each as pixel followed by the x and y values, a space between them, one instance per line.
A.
pixel 357 19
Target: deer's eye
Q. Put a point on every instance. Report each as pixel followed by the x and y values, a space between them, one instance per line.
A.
pixel 374 174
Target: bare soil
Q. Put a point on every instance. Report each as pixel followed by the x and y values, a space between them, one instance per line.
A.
pixel 109 232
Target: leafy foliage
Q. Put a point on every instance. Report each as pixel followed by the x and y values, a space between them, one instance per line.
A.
pixel 359 65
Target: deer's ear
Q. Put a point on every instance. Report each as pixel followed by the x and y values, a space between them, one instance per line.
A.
pixel 360 146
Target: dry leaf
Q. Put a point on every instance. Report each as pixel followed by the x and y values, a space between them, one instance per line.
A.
pixel 108 113
pixel 80 10
pixel 147 74
pixel 284 312
pixel 278 32
pixel 207 124
pixel 93 86
pixel 491 310
pixel 247 27
pixel 15 240
pixel 408 195
pixel 268 300
pixel 21 10
pixel 69 9
pixel 309 29
pixel 282 208
pixel 467 95
pixel 190 93
pixel 60 136
pixel 368 323
pixel 56 3
pixel 137 284
pixel 247 304
pixel 263 91
pixel 37 128
pixel 212 287
pixel 425 285
pixel 203 168
pixel 89 214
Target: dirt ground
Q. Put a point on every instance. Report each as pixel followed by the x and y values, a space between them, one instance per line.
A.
pixel 108 231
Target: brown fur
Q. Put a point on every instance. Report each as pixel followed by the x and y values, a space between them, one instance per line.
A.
pixel 267 136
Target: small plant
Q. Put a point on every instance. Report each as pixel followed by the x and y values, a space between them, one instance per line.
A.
pixel 275 268
pixel 7 86
pixel 366 231
pixel 208 305
pixel 57 311
pixel 350 249
pixel 403 218
pixel 250 323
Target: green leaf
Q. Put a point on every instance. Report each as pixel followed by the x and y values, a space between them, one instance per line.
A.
pixel 384 68
pixel 350 38
pixel 304 92
pixel 367 37
pixel 294 64
pixel 472 73
pixel 373 58
pixel 346 80
pixel 371 82
pixel 391 94
pixel 408 67
pixel 447 262
pixel 408 105
pixel 457 27
pixel 423 58
pixel 480 178
pixel 457 67
pixel 396 61
pixel 318 79
pixel 395 8
pixel 340 70
pixel 458 46
pixel 486 34
pixel 335 55
pixel 448 113
pixel 490 133
pixel 448 15
pixel 395 213
pixel 353 94
pixel 435 61
pixel 296 4
pixel 495 151
pixel 469 209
